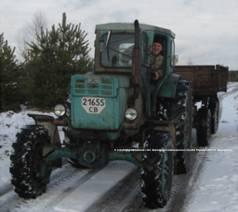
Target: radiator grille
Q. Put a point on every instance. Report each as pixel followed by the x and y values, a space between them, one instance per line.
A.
pixel 89 87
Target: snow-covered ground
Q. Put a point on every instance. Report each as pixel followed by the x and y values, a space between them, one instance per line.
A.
pixel 10 124
pixel 216 188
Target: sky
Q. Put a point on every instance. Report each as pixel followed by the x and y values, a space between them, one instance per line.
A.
pixel 206 30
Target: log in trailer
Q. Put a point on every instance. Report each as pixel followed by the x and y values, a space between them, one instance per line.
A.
pixel 206 82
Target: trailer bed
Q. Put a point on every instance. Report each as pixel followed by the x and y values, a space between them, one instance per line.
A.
pixel 206 80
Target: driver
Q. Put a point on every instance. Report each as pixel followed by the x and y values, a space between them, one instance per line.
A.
pixel 156 61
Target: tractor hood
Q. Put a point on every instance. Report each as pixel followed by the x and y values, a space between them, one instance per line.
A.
pixel 98 101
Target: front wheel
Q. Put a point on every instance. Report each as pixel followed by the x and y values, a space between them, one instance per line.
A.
pixel 30 174
pixel 157 171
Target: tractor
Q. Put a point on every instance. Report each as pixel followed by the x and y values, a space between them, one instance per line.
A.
pixel 115 112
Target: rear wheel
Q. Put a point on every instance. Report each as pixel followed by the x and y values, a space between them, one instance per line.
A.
pixel 157 171
pixel 30 174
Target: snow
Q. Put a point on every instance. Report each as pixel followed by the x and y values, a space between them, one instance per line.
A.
pixel 10 124
pixel 217 184
pixel 96 187
pixel 215 187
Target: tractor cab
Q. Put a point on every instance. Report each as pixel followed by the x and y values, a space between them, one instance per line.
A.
pixel 125 49
pixel 115 43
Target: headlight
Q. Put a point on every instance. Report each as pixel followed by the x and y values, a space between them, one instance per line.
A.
pixel 59 110
pixel 131 114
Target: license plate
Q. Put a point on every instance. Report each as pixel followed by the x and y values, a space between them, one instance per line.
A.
pixel 93 104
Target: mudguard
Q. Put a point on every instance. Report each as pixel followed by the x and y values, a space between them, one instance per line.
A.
pixel 168 87
pixel 50 123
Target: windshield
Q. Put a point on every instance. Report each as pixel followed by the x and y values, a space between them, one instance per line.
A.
pixel 116 49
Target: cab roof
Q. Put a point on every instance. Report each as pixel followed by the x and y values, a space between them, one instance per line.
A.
pixel 129 27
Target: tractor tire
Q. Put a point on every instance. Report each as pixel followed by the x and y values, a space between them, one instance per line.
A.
pixel 203 127
pixel 27 162
pixel 157 172
pixel 183 135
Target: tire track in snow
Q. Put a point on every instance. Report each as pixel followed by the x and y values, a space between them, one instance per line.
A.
pixel 119 197
pixel 54 197
pixel 95 189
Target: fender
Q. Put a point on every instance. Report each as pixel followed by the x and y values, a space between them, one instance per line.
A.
pixel 168 88
pixel 51 124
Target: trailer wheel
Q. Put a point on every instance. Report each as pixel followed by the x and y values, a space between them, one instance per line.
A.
pixel 203 126
pixel 215 117
pixel 30 174
pixel 157 172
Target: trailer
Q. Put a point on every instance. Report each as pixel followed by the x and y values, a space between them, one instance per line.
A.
pixel 206 82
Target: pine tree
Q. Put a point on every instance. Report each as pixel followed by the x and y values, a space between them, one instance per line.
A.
pixel 52 58
pixel 9 74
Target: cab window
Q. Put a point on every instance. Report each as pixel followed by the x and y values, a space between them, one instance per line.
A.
pixel 116 50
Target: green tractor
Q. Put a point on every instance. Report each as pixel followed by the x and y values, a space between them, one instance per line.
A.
pixel 116 112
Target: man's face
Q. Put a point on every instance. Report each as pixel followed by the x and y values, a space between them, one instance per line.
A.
pixel 156 48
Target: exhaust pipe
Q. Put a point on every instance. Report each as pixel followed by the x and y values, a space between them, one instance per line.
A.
pixel 136 75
